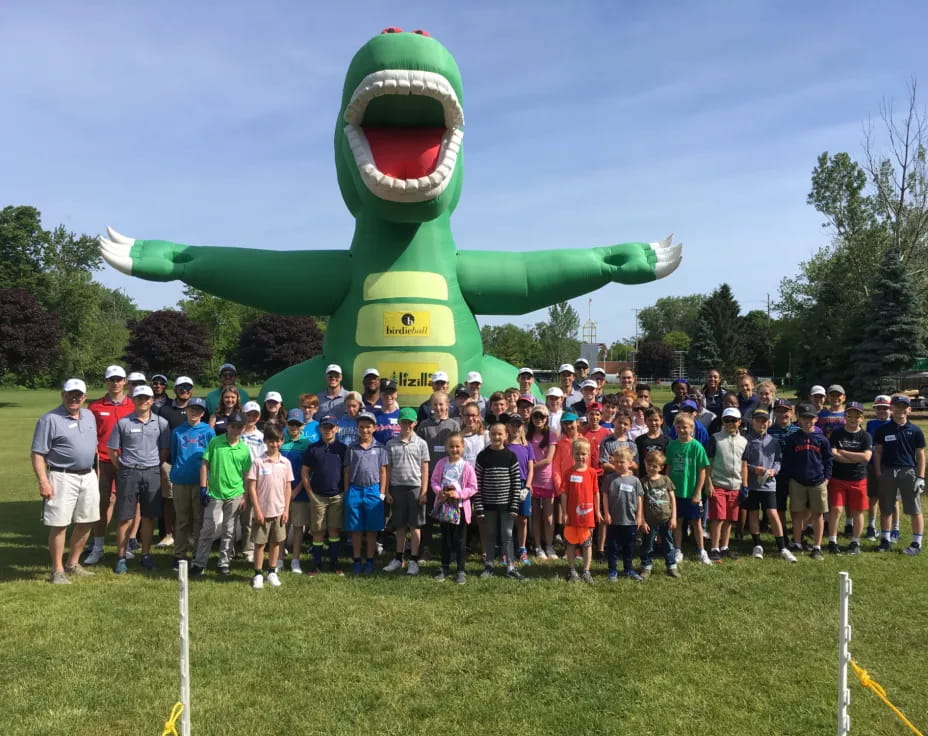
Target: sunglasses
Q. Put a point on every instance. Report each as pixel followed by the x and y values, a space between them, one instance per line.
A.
pixel 158 383
pixel 729 420
pixel 183 389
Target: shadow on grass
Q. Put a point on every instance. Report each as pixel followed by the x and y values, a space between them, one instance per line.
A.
pixel 8 404
pixel 23 540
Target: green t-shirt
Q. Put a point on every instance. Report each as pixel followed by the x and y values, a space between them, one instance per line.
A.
pixel 212 398
pixel 227 467
pixel 684 459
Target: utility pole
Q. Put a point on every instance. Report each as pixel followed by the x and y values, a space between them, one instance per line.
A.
pixel 773 372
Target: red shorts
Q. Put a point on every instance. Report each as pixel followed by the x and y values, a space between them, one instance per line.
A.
pixel 851 494
pixel 723 505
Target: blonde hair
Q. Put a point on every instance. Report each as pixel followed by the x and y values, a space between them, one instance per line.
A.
pixel 578 444
pixel 656 456
pixel 516 433
pixel 683 418
pixel 767 384
pixel 623 453
pixel 353 396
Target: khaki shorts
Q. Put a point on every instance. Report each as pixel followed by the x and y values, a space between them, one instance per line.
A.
pixel 814 498
pixel 325 512
pixel 107 473
pixel 167 488
pixel 299 513
pixel 272 531
pixel 75 499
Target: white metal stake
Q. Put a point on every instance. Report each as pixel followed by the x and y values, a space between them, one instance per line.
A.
pixel 844 655
pixel 184 650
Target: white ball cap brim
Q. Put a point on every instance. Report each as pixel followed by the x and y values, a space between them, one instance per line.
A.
pixel 274 396
pixel 474 377
pixel 333 368
pixel 180 380
pixel 114 370
pixel 371 372
pixel 731 412
pixel 818 391
pixel 555 391
pixel 74 384
pixel 136 376
pixel 142 391
pixel 251 406
pixel 523 371
pixel 566 368
pixel 439 376
pixel 588 384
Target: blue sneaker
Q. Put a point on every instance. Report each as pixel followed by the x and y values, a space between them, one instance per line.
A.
pixel 613 576
pixel 148 563
pixel 356 568
pixel 368 568
pixel 894 536
pixel 121 567
pixel 632 575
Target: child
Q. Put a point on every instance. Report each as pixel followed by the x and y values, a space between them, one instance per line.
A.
pixel 832 417
pixel 309 403
pixel 323 478
pixel 808 463
pixel 496 408
pixel 512 395
pixel 388 416
pixel 610 409
pixel 365 483
pixel 228 404
pixel 554 401
pixel 269 482
pixel 660 514
pixel 253 438
pixel 517 444
pixel 727 477
pixel 618 439
pixel 580 502
pixel 852 448
pixel 435 431
pixel 687 463
pixel 654 440
pixel 593 431
pixel 188 443
pixel 622 513
pixel 544 444
pixel 273 411
pixel 781 429
pixel 497 499
pixel 454 482
pixel 407 484
pixel 293 450
pixel 762 457
pixel 881 407
pixel 348 422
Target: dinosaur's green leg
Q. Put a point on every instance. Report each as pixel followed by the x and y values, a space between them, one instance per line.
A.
pixel 308 376
pixel 498 375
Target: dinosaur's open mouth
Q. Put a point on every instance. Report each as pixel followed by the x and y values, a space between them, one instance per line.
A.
pixel 405 129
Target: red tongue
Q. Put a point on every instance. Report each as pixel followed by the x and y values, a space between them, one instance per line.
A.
pixel 405 153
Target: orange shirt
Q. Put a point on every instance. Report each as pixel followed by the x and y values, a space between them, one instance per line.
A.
pixel 107 413
pixel 581 487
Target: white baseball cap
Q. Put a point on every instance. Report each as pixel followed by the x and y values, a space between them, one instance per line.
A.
pixel 589 383
pixel 474 377
pixel 333 368
pixel 523 371
pixel 274 396
pixel 440 376
pixel 883 400
pixel 114 370
pixel 731 412
pixel 136 376
pixel 582 361
pixel 251 406
pixel 599 371
pixel 74 384
pixel 227 367
pixel 566 368
pixel 180 380
pixel 818 391
pixel 555 391
pixel 371 372
pixel 142 391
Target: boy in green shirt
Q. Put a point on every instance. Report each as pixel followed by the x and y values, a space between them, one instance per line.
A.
pixel 686 465
pixel 222 492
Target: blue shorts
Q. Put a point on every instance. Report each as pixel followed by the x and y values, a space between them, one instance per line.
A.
pixel 687 510
pixel 525 507
pixel 364 509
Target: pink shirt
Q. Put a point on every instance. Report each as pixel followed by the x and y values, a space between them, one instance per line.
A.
pixel 273 482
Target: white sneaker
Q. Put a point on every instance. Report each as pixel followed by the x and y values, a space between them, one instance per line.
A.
pixel 552 555
pixel 787 555
pixel 679 556
pixel 250 556
pixel 96 554
pixel 280 566
pixel 130 555
pixel 168 541
pixel 257 582
pixel 540 554
pixel 758 552
pixel 295 567
pixel 379 549
pixel 413 568
pixel 273 579
pixel 704 557
pixel 393 565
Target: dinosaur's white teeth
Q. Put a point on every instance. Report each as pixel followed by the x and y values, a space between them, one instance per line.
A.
pixel 405 82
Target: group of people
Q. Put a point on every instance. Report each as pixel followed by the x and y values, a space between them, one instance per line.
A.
pixel 582 472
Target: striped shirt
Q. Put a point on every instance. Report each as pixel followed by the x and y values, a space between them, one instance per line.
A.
pixel 498 480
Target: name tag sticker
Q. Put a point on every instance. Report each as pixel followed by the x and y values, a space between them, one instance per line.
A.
pixel 394 420
pixel 104 413
pixel 72 425
pixel 890 438
pixel 626 487
pixel 266 471
pixel 576 479
pixel 135 430
pixel 438 448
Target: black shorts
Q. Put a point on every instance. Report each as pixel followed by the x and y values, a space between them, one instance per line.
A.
pixel 782 492
pixel 406 512
pixel 138 486
pixel 760 500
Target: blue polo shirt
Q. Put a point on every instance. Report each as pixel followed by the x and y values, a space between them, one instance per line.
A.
pixel 188 443
pixel 294 452
pixel 900 443
pixel 326 465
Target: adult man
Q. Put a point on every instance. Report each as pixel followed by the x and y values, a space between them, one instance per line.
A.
pixel 599 376
pixel 159 384
pixel 899 464
pixel 138 445
pixel 571 393
pixel 227 377
pixel 332 400
pixel 627 380
pixel 175 412
pixel 581 371
pixel 713 391
pixel 370 397
pixel 108 410
pixel 63 449
pixel 473 383
pixel 439 383
pixel 134 379
pixel 526 379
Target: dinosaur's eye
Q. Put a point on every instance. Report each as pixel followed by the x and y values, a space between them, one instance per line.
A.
pixel 421 32
pixel 392 29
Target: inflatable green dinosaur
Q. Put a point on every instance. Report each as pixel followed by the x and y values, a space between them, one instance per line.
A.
pixel 403 298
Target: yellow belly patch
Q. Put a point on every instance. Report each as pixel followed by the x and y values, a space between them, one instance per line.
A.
pixel 405 324
pixel 411 371
pixel 405 285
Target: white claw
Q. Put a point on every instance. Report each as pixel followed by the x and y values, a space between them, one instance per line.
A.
pixel 118 237
pixel 668 256
pixel 116 253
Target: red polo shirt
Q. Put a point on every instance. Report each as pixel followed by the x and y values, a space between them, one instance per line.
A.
pixel 107 413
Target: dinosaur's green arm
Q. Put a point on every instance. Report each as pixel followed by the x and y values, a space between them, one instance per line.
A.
pixel 515 283
pixel 283 282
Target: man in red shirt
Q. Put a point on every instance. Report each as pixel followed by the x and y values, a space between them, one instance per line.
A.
pixel 108 410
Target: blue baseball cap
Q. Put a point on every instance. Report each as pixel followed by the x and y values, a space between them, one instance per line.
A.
pixel 296 415
pixel 328 419
pixel 855 405
pixel 901 399
pixel 197 401
pixel 689 404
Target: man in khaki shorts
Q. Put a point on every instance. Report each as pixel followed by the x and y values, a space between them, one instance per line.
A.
pixel 64 447
pixel 323 478
pixel 807 460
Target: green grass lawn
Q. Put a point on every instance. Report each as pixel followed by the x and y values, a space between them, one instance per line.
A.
pixel 749 647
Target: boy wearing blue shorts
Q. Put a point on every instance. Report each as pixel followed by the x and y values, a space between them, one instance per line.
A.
pixel 687 463
pixel 366 483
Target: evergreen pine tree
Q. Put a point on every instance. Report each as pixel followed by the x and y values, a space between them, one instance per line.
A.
pixel 704 351
pixel 721 312
pixel 892 335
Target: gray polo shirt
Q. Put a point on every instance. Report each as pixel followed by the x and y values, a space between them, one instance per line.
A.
pixel 334 405
pixel 139 442
pixel 364 464
pixel 435 432
pixel 406 460
pixel 64 441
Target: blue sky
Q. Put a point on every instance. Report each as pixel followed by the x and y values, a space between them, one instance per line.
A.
pixel 587 123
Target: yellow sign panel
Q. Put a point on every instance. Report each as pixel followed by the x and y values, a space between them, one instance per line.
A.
pixel 407 324
pixel 405 285
pixel 402 324
pixel 411 371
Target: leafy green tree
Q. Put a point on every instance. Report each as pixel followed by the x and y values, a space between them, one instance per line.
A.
pixel 704 351
pixel 669 314
pixel 557 338
pixel 654 359
pixel 272 342
pixel 169 342
pixel 223 321
pixel 29 337
pixel 722 313
pixel 677 339
pixel 759 342
pixel 510 343
pixel 621 350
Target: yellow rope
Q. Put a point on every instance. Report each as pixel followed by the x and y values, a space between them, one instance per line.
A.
pixel 878 690
pixel 170 728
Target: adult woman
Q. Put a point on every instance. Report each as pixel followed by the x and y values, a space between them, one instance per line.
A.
pixel 544 444
pixel 747 399
pixel 714 393
pixel 228 405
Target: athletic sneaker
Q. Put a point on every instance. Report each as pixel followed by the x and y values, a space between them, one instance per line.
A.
pixel 795 547
pixel 168 541
pixel 272 579
pixel 714 556
pixel 393 565
pixel 587 577
pixel 295 567
pixel 573 576
pixel 758 552
pixel 368 568
pixel 257 582
pixel 894 535
pixel 121 568
pixel 131 548
pixel 632 575
pixel 885 546
pixel 249 556
pixel 540 554
pixel 279 567
pixel 678 556
pixel 440 577
pixel 787 555
pixel 58 578
pixel 224 570
pixel 673 571
pixel 913 549
pixel 461 578
pixel 148 563
pixel 613 576
pixel 848 529
pixel 853 548
pixel 514 574
pixel 871 532
pixel 487 573
pixel 356 567
pixel 730 554
pixel 413 568
pixel 96 554
pixel 816 554
pixel 552 555
pixel 645 572
pixel 196 571
pixel 77 571
pixel 335 568
pixel 833 548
